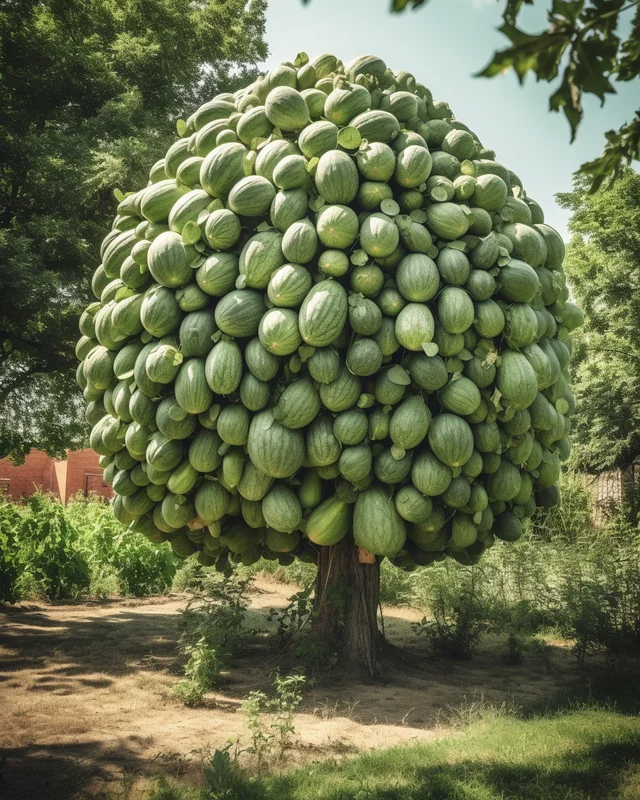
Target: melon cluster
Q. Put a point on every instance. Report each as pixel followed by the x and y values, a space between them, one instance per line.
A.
pixel 331 313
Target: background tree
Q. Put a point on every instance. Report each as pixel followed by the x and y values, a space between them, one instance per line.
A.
pixel 90 93
pixel 603 267
pixel 583 47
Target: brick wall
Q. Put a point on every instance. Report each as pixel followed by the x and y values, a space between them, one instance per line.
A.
pixel 80 472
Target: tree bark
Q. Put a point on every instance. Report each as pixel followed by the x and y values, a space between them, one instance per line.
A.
pixel 346 606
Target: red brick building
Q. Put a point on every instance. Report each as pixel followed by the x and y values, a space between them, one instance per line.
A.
pixel 80 472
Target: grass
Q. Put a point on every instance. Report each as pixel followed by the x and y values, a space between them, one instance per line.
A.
pixel 587 753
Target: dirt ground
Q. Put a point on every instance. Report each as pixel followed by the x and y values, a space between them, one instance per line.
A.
pixel 86 703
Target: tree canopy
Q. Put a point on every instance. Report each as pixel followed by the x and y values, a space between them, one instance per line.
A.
pixel 90 92
pixel 583 47
pixel 603 267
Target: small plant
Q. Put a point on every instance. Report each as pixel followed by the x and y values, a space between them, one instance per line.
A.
pixel 455 631
pixel 221 775
pixel 55 565
pixel 255 705
pixel 291 619
pixel 269 720
pixel 202 673
pixel 288 696
pixel 212 626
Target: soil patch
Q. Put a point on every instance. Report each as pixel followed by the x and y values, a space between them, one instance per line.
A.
pixel 86 694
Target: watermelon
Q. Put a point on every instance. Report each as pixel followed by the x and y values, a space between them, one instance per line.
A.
pixel 261 255
pixel 451 439
pixel 337 227
pixel 379 236
pixel 286 109
pixel 329 522
pixel 239 312
pixel 274 449
pixel 323 313
pixel 169 260
pixel 336 177
pixel 377 526
pixel 251 196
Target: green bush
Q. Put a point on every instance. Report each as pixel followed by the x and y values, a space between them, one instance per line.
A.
pixel 50 552
pixel 135 566
pixel 55 551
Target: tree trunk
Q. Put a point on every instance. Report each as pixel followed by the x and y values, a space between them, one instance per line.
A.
pixel 346 605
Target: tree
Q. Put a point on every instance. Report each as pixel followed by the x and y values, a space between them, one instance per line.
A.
pixel 337 396
pixel 583 42
pixel 89 93
pixel 603 267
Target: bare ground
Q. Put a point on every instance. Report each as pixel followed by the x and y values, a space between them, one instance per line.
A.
pixel 86 704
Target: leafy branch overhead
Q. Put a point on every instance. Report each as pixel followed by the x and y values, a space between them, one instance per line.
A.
pixel 583 47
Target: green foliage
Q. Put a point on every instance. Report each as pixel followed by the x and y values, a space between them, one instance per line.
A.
pixel 10 521
pixel 202 672
pixel 54 551
pixel 269 720
pixel 583 47
pixel 89 94
pixel 294 616
pixel 212 626
pixel 454 629
pixel 603 266
pixel 138 567
pixel 51 552
pixel 585 585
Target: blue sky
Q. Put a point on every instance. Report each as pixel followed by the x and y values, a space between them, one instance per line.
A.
pixel 443 44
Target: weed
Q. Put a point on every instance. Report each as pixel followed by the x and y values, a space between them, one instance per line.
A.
pixel 212 627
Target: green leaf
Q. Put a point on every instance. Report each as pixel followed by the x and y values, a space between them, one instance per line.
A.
pixel 190 233
pixel 124 292
pixel 349 138
pixel 359 258
pixel 567 98
pixel 316 203
pixel 305 352
pixel 181 127
pixel 118 195
pixel 295 363
pixel 513 8
pixel 399 375
pixel 430 348
pixel 366 400
pixel 177 413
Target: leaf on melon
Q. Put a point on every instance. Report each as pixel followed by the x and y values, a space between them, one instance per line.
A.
pixel 399 376
pixel 190 233
pixel 366 400
pixel 430 348
pixel 349 138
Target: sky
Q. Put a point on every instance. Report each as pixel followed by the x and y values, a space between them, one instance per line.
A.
pixel 443 44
